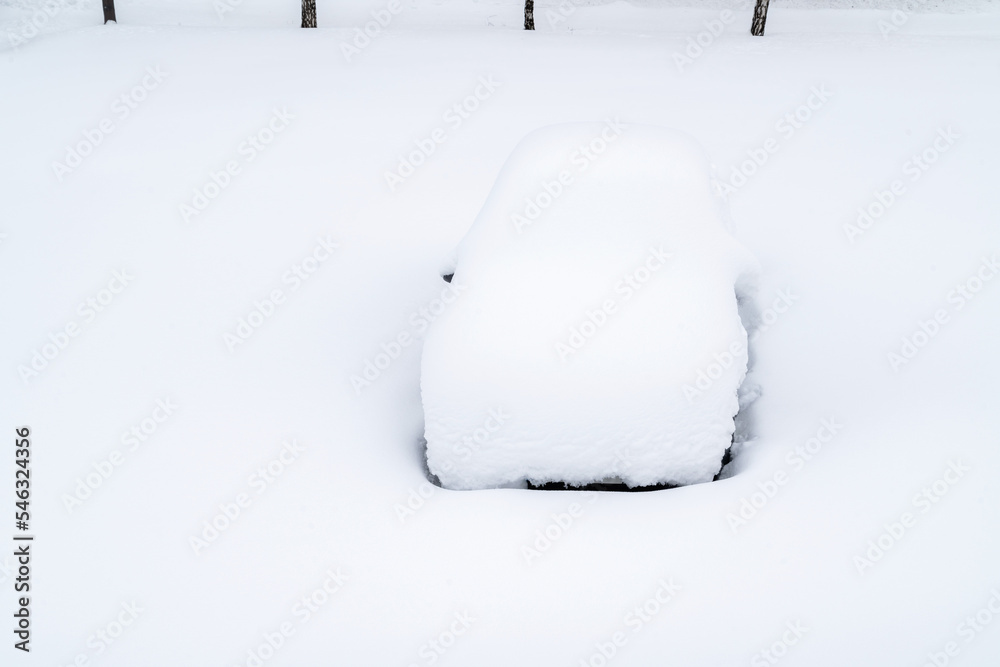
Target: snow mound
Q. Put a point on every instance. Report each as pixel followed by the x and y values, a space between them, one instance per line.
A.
pixel 593 331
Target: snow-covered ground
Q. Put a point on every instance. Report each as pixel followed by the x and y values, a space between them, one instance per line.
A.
pixel 238 165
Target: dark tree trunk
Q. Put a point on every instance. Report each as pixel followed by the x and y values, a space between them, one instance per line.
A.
pixel 109 11
pixel 759 18
pixel 308 13
pixel 529 14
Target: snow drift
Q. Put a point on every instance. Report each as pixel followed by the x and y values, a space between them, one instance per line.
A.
pixel 594 331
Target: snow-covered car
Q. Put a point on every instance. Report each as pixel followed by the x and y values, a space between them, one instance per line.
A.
pixel 596 331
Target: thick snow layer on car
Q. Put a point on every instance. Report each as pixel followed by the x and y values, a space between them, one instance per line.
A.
pixel 593 330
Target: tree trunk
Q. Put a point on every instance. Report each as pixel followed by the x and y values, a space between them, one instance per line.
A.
pixel 308 13
pixel 759 18
pixel 529 14
pixel 109 11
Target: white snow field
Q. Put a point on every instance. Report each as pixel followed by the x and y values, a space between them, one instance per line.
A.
pixel 225 471
pixel 594 332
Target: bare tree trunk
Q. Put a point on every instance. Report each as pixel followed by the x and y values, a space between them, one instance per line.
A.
pixel 308 13
pixel 109 11
pixel 759 18
pixel 529 14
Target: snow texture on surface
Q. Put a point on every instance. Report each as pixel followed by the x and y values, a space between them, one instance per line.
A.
pixel 750 553
pixel 593 331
